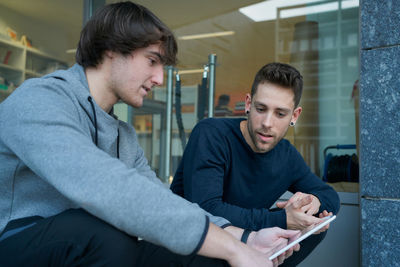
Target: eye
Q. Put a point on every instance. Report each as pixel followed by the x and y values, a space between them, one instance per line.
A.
pixel 260 110
pixel 152 61
pixel 281 114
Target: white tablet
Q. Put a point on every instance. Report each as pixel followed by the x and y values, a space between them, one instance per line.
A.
pixel 325 221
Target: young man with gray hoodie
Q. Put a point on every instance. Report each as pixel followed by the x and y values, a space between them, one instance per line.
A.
pixel 75 187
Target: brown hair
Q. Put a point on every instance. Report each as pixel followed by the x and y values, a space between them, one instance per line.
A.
pixel 280 74
pixel 123 27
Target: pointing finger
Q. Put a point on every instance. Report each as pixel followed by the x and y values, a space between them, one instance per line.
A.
pixel 302 202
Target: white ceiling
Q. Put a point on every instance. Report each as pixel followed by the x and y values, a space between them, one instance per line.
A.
pixel 49 11
pixel 175 13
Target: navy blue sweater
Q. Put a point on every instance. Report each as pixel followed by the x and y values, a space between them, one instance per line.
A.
pixel 221 173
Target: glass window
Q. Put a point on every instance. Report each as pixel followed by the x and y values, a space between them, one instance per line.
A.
pixel 320 38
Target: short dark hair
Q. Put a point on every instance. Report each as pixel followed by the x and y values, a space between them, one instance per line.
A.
pixel 223 99
pixel 280 74
pixel 123 27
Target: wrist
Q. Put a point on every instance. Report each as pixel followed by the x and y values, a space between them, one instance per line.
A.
pixel 288 220
pixel 251 239
pixel 235 252
pixel 317 201
pixel 235 231
pixel 221 244
pixel 245 235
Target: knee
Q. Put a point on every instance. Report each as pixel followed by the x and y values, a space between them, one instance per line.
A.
pixel 83 224
pixel 103 240
pixel 319 237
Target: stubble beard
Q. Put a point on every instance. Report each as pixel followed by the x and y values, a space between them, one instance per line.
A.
pixel 254 139
pixel 258 143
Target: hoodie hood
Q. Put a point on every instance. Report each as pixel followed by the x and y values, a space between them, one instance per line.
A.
pixel 104 126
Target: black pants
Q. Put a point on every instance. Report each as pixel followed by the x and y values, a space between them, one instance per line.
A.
pixel 76 238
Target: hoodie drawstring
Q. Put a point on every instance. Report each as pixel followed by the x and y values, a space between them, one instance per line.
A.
pixel 95 126
pixel 95 120
pixel 118 144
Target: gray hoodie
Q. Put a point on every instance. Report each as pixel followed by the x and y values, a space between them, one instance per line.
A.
pixel 49 162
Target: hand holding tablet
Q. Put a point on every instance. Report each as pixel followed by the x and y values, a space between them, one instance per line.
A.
pixel 326 220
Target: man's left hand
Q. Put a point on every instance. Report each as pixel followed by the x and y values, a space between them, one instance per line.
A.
pixel 326 227
pixel 309 209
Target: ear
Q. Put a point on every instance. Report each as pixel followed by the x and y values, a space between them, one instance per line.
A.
pixel 247 102
pixel 109 54
pixel 296 114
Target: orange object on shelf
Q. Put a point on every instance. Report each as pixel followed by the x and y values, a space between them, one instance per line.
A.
pixel 12 34
pixel 25 41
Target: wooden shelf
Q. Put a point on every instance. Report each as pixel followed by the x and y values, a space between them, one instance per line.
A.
pixel 18 62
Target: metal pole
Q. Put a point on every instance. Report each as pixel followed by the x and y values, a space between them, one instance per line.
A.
pixel 89 6
pixel 212 60
pixel 168 127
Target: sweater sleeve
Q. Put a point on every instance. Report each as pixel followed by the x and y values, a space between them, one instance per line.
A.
pixel 200 179
pixel 144 168
pixel 307 182
pixel 40 126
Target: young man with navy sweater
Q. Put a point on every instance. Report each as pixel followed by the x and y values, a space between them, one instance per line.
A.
pixel 238 168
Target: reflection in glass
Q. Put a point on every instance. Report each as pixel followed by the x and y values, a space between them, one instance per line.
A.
pixel 324 47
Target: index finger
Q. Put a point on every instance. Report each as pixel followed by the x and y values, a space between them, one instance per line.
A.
pixel 302 202
pixel 287 233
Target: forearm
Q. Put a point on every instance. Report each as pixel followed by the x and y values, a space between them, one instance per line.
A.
pixel 236 232
pixel 254 219
pixel 221 243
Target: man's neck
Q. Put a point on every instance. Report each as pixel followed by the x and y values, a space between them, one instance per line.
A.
pixel 246 134
pixel 97 78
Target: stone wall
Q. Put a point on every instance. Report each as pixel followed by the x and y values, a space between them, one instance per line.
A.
pixel 380 132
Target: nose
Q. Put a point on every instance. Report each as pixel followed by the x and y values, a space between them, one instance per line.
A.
pixel 267 121
pixel 158 75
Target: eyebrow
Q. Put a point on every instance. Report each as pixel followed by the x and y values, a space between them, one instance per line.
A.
pixel 284 110
pixel 160 57
pixel 280 109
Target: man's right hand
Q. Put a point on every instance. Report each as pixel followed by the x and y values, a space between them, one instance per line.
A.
pixel 270 240
pixel 296 218
pixel 222 244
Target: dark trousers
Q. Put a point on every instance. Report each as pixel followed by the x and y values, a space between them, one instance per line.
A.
pixel 76 238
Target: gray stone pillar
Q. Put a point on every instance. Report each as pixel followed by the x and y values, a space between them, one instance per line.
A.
pixel 380 132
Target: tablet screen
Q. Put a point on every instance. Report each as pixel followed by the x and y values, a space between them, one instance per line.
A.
pixel 325 221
